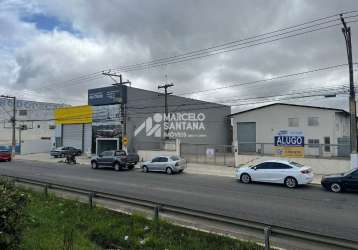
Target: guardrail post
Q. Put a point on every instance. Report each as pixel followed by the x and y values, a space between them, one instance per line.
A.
pixel 46 190
pixel 156 218
pixel 267 231
pixel 156 213
pixel 90 199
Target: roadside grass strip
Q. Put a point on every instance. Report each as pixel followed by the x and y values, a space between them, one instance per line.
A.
pixel 57 223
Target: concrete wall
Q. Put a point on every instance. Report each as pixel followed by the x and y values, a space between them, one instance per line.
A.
pixel 143 104
pixel 35 146
pixel 147 155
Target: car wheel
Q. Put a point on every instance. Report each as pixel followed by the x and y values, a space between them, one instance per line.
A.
pixel 336 187
pixel 145 169
pixel 94 164
pixel 290 182
pixel 245 178
pixel 117 166
pixel 62 155
pixel 130 167
pixel 169 170
pixel 55 156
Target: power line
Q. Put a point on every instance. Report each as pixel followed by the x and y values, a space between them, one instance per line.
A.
pixel 237 42
pixel 97 75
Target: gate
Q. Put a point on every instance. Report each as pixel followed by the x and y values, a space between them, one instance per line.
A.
pixel 208 154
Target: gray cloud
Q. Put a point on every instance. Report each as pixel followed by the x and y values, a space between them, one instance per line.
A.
pixel 115 33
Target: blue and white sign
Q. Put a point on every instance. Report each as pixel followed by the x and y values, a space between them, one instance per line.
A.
pixel 107 95
pixel 287 138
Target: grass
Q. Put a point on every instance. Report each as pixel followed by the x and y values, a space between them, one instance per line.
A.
pixel 56 223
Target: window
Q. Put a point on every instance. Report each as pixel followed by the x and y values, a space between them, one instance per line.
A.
pixel 313 143
pixel 156 159
pixel 22 112
pixel 296 164
pixel 293 122
pixel 174 158
pixel 279 166
pixel 313 121
pixel 120 153
pixel 355 175
pixel 38 126
pixel 265 165
pixel 107 153
pixel 163 159
pixel 327 141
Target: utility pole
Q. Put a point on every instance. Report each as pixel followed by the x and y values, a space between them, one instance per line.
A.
pixel 13 121
pixel 352 97
pixel 165 87
pixel 123 108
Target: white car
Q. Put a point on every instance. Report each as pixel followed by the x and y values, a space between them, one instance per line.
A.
pixel 276 171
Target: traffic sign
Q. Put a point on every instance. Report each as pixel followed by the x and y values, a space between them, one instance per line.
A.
pixel 125 140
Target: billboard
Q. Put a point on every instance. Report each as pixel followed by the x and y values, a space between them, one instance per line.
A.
pixel 73 115
pixel 289 143
pixel 107 95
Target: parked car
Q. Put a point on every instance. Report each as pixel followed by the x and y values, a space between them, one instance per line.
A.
pixel 5 153
pixel 284 172
pixel 117 159
pixel 63 151
pixel 340 182
pixel 169 164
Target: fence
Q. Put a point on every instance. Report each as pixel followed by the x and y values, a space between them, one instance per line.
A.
pixel 165 145
pixel 208 154
pixel 310 150
pixel 283 236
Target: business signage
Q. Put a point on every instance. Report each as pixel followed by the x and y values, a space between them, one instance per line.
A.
pixel 107 95
pixel 173 125
pixel 289 143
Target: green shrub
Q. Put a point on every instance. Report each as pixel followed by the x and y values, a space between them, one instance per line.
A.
pixel 12 214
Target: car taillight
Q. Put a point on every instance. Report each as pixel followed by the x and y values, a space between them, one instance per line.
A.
pixel 125 157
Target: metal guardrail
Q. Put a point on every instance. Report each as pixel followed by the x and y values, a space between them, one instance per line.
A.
pixel 268 230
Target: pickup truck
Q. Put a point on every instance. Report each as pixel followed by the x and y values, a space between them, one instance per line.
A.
pixel 118 159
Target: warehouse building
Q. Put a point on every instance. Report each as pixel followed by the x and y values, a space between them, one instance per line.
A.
pixel 137 117
pixel 34 125
pixel 326 130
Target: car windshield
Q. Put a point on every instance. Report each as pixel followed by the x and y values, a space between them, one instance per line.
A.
pixel 349 172
pixel 296 164
pixel 174 158
pixel 4 148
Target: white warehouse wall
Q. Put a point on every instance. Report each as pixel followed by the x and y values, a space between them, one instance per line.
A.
pixel 270 119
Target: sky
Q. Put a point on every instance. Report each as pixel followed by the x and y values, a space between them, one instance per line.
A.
pixel 45 46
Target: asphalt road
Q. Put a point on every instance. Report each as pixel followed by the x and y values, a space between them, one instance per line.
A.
pixel 307 208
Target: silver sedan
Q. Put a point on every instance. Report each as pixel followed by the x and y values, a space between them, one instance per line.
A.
pixel 168 164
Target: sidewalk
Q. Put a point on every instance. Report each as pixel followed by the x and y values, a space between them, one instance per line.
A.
pixel 193 168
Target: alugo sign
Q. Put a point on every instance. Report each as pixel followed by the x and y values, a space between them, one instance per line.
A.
pixel 289 143
pixel 178 125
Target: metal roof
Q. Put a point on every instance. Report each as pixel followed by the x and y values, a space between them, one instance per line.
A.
pixel 289 104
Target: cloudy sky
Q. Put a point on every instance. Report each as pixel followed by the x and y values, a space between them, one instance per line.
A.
pixel 45 46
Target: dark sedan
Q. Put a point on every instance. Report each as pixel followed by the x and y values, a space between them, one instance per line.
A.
pixel 341 182
pixel 63 151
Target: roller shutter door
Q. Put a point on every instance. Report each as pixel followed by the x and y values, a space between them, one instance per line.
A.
pixel 246 136
pixel 87 138
pixel 72 135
